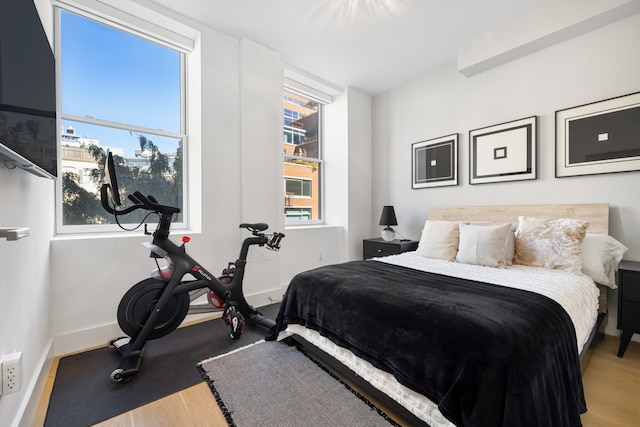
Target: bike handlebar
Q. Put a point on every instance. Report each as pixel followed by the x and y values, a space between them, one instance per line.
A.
pixel 274 241
pixel 140 201
pixel 150 203
pixel 104 197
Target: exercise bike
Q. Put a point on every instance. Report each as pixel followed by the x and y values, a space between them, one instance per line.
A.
pixel 156 306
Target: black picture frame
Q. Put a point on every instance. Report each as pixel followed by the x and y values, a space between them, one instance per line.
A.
pixel 599 137
pixel 434 162
pixel 504 152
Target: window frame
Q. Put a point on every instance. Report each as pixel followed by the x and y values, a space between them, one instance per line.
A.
pixel 320 160
pixel 124 20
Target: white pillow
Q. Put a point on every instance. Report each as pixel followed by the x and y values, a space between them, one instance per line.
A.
pixel 601 255
pixel 483 244
pixel 550 243
pixel 510 250
pixel 439 240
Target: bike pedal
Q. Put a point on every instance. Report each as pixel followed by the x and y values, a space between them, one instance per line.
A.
pixel 119 342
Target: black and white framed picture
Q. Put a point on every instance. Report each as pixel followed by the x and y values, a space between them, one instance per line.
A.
pixel 435 162
pixel 504 152
pixel 601 137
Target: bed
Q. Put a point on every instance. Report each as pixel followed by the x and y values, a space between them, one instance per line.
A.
pixel 477 338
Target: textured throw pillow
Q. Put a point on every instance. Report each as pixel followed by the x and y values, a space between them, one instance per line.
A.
pixel 550 243
pixel 483 244
pixel 439 240
pixel 601 255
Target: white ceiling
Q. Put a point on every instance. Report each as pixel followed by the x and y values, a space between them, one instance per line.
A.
pixel 371 45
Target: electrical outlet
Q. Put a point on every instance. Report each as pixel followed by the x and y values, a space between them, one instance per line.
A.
pixel 12 372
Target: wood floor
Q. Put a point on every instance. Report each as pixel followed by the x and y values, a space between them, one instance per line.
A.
pixel 611 384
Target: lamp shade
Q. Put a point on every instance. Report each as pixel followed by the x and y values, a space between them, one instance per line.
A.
pixel 388 216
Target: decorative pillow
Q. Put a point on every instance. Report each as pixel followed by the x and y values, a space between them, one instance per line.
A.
pixel 510 250
pixel 601 255
pixel 550 243
pixel 483 244
pixel 439 240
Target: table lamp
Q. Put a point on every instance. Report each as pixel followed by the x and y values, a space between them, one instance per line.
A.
pixel 388 218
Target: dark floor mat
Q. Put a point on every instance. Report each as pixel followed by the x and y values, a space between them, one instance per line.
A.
pixel 83 393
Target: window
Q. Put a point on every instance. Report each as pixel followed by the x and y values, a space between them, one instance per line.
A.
pixel 121 90
pixel 299 214
pixel 298 187
pixel 302 140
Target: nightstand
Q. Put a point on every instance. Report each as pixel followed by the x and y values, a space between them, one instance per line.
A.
pixel 628 302
pixel 378 247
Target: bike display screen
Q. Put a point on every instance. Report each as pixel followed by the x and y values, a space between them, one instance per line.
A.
pixel 111 180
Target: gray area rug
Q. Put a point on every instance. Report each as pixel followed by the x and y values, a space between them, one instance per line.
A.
pixel 272 384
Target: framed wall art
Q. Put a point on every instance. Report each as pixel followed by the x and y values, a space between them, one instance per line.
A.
pixel 601 137
pixel 504 152
pixel 434 163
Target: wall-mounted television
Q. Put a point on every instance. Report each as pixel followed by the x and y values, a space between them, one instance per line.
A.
pixel 28 131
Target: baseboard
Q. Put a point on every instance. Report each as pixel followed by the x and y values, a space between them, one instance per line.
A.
pixel 75 341
pixel 268 297
pixel 28 407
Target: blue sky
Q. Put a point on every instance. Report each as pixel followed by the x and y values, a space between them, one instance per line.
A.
pixel 111 75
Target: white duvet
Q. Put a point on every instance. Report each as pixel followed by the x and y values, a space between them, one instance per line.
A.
pixel 577 294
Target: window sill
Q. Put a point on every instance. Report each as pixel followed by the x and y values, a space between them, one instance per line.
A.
pixel 116 235
pixel 309 226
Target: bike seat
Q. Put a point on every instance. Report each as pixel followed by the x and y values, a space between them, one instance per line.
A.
pixel 259 226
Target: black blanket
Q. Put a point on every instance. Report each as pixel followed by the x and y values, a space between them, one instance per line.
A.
pixel 487 355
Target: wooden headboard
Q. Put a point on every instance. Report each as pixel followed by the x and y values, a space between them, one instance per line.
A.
pixel 596 213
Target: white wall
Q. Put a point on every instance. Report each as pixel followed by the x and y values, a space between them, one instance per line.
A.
pixel 24 276
pixel 601 64
pixel 24 281
pixel 305 248
pixel 261 167
pixel 348 168
pixel 359 170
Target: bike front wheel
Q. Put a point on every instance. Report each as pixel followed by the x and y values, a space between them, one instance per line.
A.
pixel 141 300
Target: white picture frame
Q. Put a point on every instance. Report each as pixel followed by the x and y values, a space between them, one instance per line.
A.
pixel 434 162
pixel 504 152
pixel 600 137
